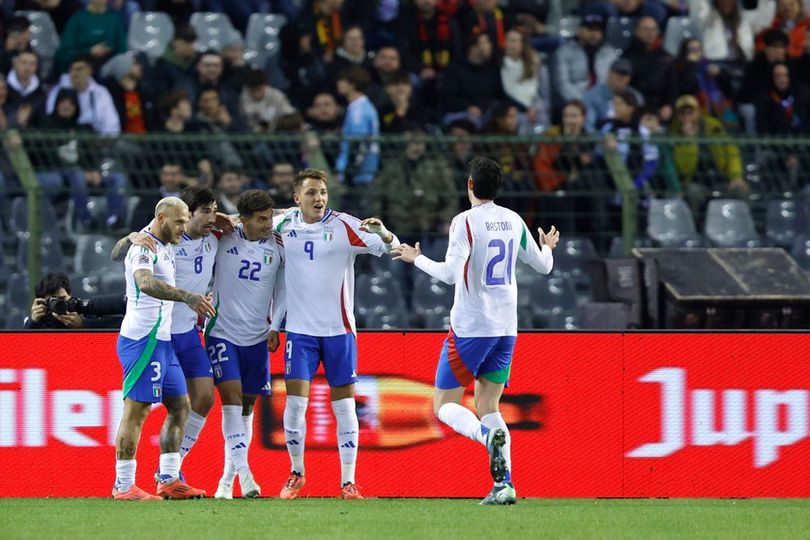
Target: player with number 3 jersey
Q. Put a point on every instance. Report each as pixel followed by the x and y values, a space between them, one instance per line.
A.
pixel 321 245
pixel 485 243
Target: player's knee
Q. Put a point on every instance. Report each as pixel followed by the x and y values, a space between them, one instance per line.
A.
pixel 203 404
pixel 485 405
pixel 178 408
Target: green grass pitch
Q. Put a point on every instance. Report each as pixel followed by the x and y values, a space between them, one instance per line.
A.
pixel 391 519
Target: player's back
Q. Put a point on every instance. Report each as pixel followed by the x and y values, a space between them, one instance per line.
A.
pixel 485 302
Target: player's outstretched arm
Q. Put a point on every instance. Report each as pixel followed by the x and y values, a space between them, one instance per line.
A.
pixel 376 226
pixel 539 257
pixel 132 239
pixel 156 288
pixel 549 239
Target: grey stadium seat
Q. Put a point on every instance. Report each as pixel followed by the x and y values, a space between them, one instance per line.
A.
pixel 44 37
pixel 262 39
pixel 19 217
pixel 670 224
pixel 17 293
pixel 150 32
pixel 729 224
pixel 679 29
pixel 785 221
pixel 93 255
pixel 800 252
pixel 550 297
pixel 568 27
pixel 50 252
pixel 431 294
pixel 619 31
pixel 214 30
pixel 377 295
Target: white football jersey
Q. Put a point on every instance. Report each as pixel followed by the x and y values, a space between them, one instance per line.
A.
pixel 248 289
pixel 195 266
pixel 320 270
pixel 146 315
pixel 485 243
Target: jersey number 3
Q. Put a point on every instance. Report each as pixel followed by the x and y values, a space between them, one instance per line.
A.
pixel 495 274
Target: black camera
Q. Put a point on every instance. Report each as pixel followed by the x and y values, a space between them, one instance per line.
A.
pixel 61 306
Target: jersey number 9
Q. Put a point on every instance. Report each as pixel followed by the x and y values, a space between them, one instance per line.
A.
pixel 309 247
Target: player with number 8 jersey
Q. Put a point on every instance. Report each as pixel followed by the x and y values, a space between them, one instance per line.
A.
pixel 321 245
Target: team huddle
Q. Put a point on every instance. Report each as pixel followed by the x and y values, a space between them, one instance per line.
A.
pixel 297 268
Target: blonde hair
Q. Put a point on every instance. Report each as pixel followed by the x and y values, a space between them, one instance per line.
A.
pixel 169 202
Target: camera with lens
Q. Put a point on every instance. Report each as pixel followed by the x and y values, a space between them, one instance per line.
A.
pixel 60 306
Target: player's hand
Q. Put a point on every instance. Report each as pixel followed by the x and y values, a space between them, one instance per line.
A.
pixel 406 253
pixel 549 239
pixel 143 239
pixel 38 310
pixel 376 226
pixel 69 319
pixel 272 341
pixel 201 305
pixel 226 223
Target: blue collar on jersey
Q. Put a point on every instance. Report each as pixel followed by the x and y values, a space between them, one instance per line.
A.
pixel 240 231
pixel 186 237
pixel 162 243
pixel 326 215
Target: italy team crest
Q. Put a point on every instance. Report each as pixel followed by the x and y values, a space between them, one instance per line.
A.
pixel 268 256
pixel 328 233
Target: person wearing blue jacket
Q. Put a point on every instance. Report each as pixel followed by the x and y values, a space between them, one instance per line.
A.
pixel 361 120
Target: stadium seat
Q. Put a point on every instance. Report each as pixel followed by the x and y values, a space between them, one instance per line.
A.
pixel 679 29
pixel 435 248
pixel 617 245
pixel 50 252
pixel 44 37
pixel 113 282
pixel 619 31
pixel 568 27
pixel 4 271
pixel 262 38
pixel 430 294
pixel 670 224
pixel 785 220
pixel 729 224
pixel 390 319
pixel 15 318
pixel 93 255
pixel 570 257
pixel 150 32
pixel 800 252
pixel 553 295
pixel 214 30
pixel 17 292
pixel 97 206
pixel 85 285
pixel 376 295
pixel 19 217
pixel 435 320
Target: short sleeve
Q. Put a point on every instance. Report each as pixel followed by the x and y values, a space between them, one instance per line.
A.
pixel 140 258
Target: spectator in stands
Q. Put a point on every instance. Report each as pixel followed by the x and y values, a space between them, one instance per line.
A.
pixel 361 121
pixel 282 178
pixel 641 158
pixel 758 72
pixel 653 68
pixel 791 17
pixel 386 63
pixel 599 98
pixel 524 79
pixel 176 109
pixel 479 17
pixel 352 52
pixel 26 97
pixel 462 151
pixel 324 113
pixel 93 31
pixel 400 108
pixel 229 187
pixel 171 182
pixel 175 69
pixel 471 84
pixel 179 10
pixel 426 39
pixel 415 192
pixel 579 64
pixel 233 55
pixel 704 167
pixel 18 39
pixel 641 8
pixel 60 11
pixel 728 30
pixel 320 28
pixel 513 157
pixel 260 104
pixel 531 15
pixel 210 71
pixel 212 115
pixel 122 75
pixel 785 108
pixel 565 165
pixel 708 82
pixel 96 107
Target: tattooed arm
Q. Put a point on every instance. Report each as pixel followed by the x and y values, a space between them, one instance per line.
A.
pixel 149 284
pixel 138 239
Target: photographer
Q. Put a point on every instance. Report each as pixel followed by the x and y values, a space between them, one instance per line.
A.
pixel 55 308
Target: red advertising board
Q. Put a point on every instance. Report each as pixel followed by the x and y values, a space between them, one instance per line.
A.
pixel 592 415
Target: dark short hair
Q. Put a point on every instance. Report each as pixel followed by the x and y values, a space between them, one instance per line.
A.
pixel 356 76
pixel 628 97
pixel 169 101
pixel 18 23
pixel 255 78
pixel 185 32
pixel 486 177
pixel 775 36
pixel 84 58
pixel 316 174
pixel 51 283
pixel 578 103
pixel 398 77
pixel 196 197
pixel 252 201
pixel 463 123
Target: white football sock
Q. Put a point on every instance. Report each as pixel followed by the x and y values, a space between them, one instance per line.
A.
pixel 295 430
pixel 191 432
pixel 496 421
pixel 463 421
pixel 348 435
pixel 233 429
pixel 170 466
pixel 124 474
pixel 229 472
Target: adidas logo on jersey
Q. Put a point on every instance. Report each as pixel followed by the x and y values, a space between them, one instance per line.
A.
pixel 182 252
pixel 292 234
pixel 233 251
